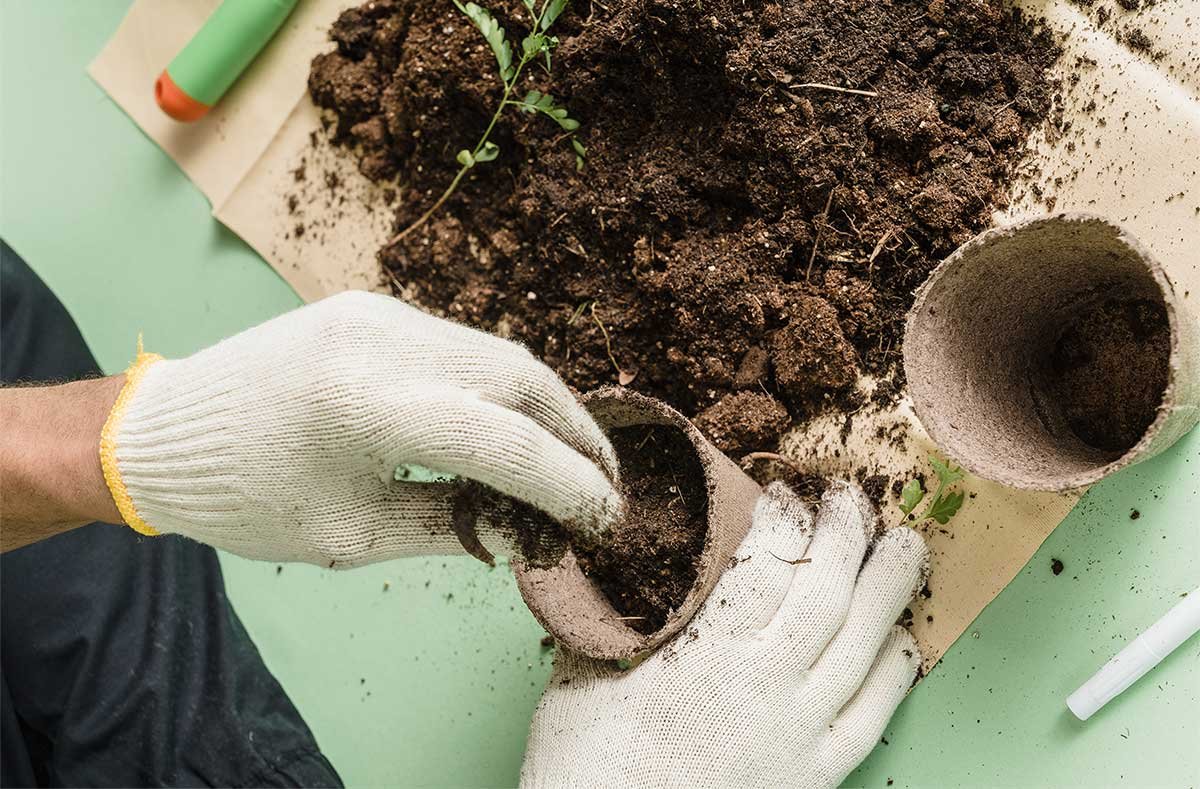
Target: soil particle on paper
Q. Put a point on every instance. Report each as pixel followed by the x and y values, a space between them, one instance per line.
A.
pixel 737 228
pixel 1124 28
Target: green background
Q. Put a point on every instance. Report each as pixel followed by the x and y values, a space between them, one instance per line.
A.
pixel 433 680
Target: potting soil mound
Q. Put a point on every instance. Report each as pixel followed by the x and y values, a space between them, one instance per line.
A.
pixel 742 242
pixel 648 564
pixel 1109 370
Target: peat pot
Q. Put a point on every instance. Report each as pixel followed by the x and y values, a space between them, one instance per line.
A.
pixel 983 351
pixel 574 610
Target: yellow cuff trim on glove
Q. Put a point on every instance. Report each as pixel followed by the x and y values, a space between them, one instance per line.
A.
pixel 108 443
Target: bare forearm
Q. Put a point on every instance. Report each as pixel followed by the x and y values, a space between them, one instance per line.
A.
pixel 50 477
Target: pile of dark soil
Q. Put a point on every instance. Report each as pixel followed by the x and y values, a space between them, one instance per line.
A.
pixel 744 241
pixel 649 563
pixel 1109 369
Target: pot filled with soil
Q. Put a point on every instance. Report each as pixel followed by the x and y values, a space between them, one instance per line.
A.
pixel 687 509
pixel 1051 353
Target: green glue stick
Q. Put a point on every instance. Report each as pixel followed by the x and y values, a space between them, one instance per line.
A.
pixel 217 55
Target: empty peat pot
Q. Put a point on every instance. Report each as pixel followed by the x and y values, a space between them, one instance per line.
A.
pixel 1048 354
pixel 574 609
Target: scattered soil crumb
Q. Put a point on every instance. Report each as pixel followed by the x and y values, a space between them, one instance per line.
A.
pixel 1056 566
pixel 1137 40
pixel 1134 515
pixel 876 488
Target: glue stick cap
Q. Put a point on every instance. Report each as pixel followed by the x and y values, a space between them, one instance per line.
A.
pixel 214 58
pixel 175 102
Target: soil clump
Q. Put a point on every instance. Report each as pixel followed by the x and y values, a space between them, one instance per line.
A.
pixel 743 241
pixel 1109 370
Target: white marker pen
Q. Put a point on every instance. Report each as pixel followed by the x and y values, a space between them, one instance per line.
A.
pixel 1139 656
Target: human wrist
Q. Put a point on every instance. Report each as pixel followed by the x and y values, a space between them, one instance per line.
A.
pixel 49 459
pixel 95 500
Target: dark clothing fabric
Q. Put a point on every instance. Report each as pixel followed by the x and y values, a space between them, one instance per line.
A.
pixel 124 663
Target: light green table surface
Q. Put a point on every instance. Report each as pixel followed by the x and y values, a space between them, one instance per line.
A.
pixel 433 681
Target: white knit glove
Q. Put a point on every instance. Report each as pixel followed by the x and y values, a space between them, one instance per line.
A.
pixel 282 442
pixel 786 677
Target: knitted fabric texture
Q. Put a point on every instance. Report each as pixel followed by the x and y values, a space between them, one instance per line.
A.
pixel 281 442
pixel 786 677
pixel 108 443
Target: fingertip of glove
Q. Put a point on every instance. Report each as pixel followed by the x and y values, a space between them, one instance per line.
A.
pixel 846 499
pixel 902 642
pixel 779 503
pixel 598 522
pixel 608 460
pixel 904 548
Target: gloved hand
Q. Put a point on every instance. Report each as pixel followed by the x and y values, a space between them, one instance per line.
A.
pixel 786 676
pixel 281 442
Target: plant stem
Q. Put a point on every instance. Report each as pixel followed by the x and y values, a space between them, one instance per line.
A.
pixel 777 458
pixel 433 208
pixel 504 102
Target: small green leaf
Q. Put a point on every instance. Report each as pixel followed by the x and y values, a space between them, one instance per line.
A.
pixel 947 472
pixel 488 152
pixel 533 44
pixel 910 496
pixel 579 147
pixel 535 101
pixel 944 507
pixel 465 158
pixel 529 6
pixel 560 116
pixel 493 34
pixel 551 12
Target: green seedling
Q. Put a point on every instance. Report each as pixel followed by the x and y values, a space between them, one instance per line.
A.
pixel 511 60
pixel 944 503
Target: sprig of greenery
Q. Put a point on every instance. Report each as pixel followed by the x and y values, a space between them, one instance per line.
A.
pixel 944 504
pixel 538 43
